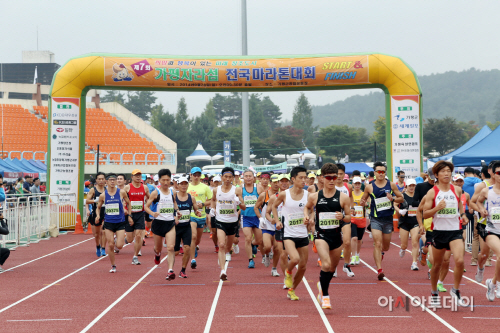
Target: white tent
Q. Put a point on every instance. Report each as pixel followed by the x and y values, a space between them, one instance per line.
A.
pixel 217 157
pixel 199 154
pixel 307 155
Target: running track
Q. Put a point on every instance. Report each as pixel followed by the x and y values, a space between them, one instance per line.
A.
pixel 61 286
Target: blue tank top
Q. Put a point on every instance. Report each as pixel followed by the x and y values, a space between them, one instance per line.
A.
pixel 381 206
pixel 249 199
pixel 185 208
pixel 113 213
pixel 153 205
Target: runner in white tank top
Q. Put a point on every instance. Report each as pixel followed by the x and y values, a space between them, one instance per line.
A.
pixel 295 240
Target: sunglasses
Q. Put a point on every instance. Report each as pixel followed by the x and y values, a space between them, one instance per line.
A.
pixel 402 176
pixel 380 172
pixel 331 177
pixel 497 173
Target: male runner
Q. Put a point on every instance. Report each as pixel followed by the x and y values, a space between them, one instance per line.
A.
pixel 137 193
pixel 224 203
pixel 237 181
pixel 316 187
pixel 202 194
pixel 114 216
pixel 149 218
pixel 213 230
pixel 92 198
pixel 345 226
pixel 295 239
pixel 332 207
pixel 165 218
pixel 358 220
pixel 383 194
pixel 250 221
pixel 263 184
pixel 401 181
pixel 408 224
pixel 443 204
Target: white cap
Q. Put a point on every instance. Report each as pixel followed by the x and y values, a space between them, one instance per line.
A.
pixel 356 180
pixel 182 179
pixel 217 178
pixel 457 177
pixel 156 178
pixel 411 181
pixel 236 173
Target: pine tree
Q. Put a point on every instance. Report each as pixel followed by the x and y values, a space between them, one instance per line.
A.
pixel 303 119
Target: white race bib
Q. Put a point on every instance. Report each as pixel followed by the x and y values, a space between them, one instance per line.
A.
pixel 327 220
pixel 137 206
pixel 382 204
pixel 295 219
pixel 495 215
pixel 112 209
pixel 166 208
pixel 359 212
pixel 412 211
pixel 226 210
pixel 185 216
pixel 450 211
pixel 250 201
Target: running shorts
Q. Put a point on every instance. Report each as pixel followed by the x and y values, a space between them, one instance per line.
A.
pixel 428 238
pixel 200 222
pixel 407 225
pixel 442 238
pixel 139 223
pixel 270 232
pixel 114 227
pixel 299 242
pixel 92 220
pixel 278 235
pixel 333 239
pixel 229 228
pixel 161 227
pixel 357 231
pixel 481 231
pixel 183 232
pixel 250 221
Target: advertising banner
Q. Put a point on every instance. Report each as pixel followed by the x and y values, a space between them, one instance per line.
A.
pixel 11 176
pixel 64 145
pixel 227 151
pixel 227 73
pixel 276 168
pixel 405 122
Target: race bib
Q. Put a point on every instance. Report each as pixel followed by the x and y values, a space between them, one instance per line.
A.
pixel 328 221
pixel 448 212
pixel 185 216
pixel 495 215
pixel 295 219
pixel 412 211
pixel 112 209
pixel 250 201
pixel 137 206
pixel 226 210
pixel 359 212
pixel 382 204
pixel 166 208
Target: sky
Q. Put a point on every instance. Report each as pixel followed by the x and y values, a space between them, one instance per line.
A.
pixel 431 36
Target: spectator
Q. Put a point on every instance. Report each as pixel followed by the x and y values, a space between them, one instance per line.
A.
pixel 2 193
pixel 320 161
pixel 302 160
pixel 346 158
pixel 4 230
pixel 19 186
pixel 43 188
pixel 86 189
pixel 35 188
pixel 27 184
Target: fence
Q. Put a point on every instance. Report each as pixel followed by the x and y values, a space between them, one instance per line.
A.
pixel 29 218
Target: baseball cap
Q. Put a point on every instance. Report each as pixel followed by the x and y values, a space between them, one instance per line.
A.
pixel 156 178
pixel 144 177
pixel 284 176
pixel 311 175
pixel 346 177
pixel 135 171
pixel 363 177
pixel 202 176
pixel 275 178
pixel 457 177
pixel 236 173
pixel 356 180
pixel 411 182
pixel 431 174
pixel 182 179
pixel 195 170
pixel 259 173
pixel 87 183
pixel 318 173
pixel 419 180
pixel 217 178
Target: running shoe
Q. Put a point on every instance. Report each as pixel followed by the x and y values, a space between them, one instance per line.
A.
pixel 267 261
pixel 236 248
pixel 370 235
pixel 181 250
pixel 326 303
pixel 228 256
pixel 488 263
pixel 291 295
pixel 217 249
pixel 271 255
pixel 135 261
pixel 490 292
pixel 402 253
pixel 251 264
pixel 381 275
pixel 143 242
pixel 196 252
pixel 435 301
pixel 263 259
pixel 157 258
pixel 318 264
pixel 211 235
pixel 113 269
pixel 284 287
pixel 193 264
pixel 473 263
pixel 98 251
pixel 170 275
pixel 103 252
pixel 335 273
pixel 479 275
pixel 429 264
pixel 117 250
pixel 383 253
pixel 498 289
pixel 274 272
pixel 414 266
pixel 320 293
pixel 441 288
pixel 182 275
pixel 353 261
pixel 288 280
pixel 423 259
pixel 347 269
pixel 455 295
pixel 139 254
pixel 223 275
pixel 357 259
pixel 429 274
pixel 254 250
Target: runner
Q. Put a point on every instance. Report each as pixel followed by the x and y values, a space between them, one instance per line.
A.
pixel 332 207
pixel 295 240
pixel 213 230
pixel 317 186
pixel 267 227
pixel 225 200
pixel 491 196
pixel 263 182
pixel 401 181
pixel 311 180
pixel 358 220
pixel 345 188
pixel 408 225
pixel 121 181
pixel 250 221
pixel 202 194
pixel 383 195
pixel 114 216
pixel 92 198
pixel 137 193
pixel 237 181
pixel 164 221
pixel 443 204
pixel 183 230
pixel 149 218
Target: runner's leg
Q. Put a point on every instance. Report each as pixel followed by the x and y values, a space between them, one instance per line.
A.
pixel 170 240
pixel 110 237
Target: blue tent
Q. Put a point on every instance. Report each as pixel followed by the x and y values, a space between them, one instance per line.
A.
pixel 486 149
pixel 199 154
pixel 484 132
pixel 5 166
pixel 361 167
pixel 39 164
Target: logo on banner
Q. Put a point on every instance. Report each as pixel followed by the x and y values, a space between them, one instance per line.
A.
pixel 63 182
pixel 59 129
pixel 405 108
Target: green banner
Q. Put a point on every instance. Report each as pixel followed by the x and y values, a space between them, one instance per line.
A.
pixel 276 168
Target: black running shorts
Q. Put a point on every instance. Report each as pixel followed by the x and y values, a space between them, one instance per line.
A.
pixel 114 227
pixel 407 225
pixel 357 231
pixel 442 238
pixel 161 227
pixel 183 232
pixel 139 223
pixel 230 228
pixel 92 220
pixel 333 239
pixel 299 242
pixel 481 231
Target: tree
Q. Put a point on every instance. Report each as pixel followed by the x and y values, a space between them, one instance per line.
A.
pixel 204 125
pixel 470 128
pixel 162 120
pixel 336 140
pixel 257 122
pixel 443 135
pixel 303 119
pixel 271 111
pixel 494 125
pixel 496 111
pixel 141 103
pixel 113 96
pixel 221 134
pixel 379 137
pixel 286 140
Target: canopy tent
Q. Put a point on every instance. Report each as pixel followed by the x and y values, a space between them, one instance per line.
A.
pixel 484 132
pixel 361 167
pixel 486 149
pixel 199 154
pixel 217 157
pixel 32 167
pixel 39 164
pixel 307 154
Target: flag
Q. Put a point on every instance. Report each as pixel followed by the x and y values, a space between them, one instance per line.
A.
pixel 36 75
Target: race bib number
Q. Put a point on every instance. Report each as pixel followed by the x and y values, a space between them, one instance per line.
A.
pixel 359 212
pixel 495 215
pixel 328 221
pixel 112 209
pixel 250 201
pixel 412 211
pixel 295 219
pixel 166 208
pixel 382 204
pixel 137 206
pixel 449 211
pixel 226 210
pixel 185 216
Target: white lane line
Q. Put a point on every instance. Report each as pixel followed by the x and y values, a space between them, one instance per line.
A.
pixel 92 323
pixel 444 322
pixel 481 318
pixel 37 320
pixel 267 316
pixel 463 276
pixel 214 304
pixel 10 269
pixel 318 307
pixel 380 316
pixel 180 317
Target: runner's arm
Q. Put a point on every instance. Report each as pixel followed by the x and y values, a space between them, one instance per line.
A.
pixel 309 207
pixel 146 192
pixel 428 210
pixel 281 198
pixel 399 197
pixel 152 197
pixel 89 202
pixel 480 202
pixel 268 211
pixel 125 198
pixel 195 206
pixel 212 201
pixel 258 204
pixel 100 202
pixel 346 206
pixel 420 216
pixel 461 207
pixel 477 190
pixel 366 194
pixel 239 194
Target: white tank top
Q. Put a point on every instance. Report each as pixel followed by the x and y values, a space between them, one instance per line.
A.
pixel 342 189
pixel 293 214
pixel 166 206
pixel 447 218
pixel 493 207
pixel 226 206
pixel 268 225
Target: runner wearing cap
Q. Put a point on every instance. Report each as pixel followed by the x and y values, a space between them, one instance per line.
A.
pixel 114 216
pixel 250 221
pixel 345 188
pixel 202 194
pixel 264 179
pixel 213 229
pixel 358 220
pixel 137 193
pixel 317 186
pixel 237 181
pixel 92 198
pixel 408 224
pixel 311 179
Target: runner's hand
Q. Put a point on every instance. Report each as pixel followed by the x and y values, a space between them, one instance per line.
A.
pixel 212 212
pixel 236 200
pixel 421 230
pixel 156 214
pixel 179 214
pixel 403 212
pixel 88 213
pixel 441 205
pixel 97 217
pixel 484 212
pixel 131 221
pixel 339 215
pixel 279 225
pixel 198 213
pixel 389 196
pixel 262 223
pixel 465 220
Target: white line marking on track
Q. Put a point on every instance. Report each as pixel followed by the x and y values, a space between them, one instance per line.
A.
pixel 444 322
pixel 380 316
pixel 12 268
pixel 180 317
pixel 92 323
pixel 481 318
pixel 267 316
pixel 318 307
pixel 214 304
pixel 37 320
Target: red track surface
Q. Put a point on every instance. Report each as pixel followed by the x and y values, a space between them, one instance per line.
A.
pixel 250 301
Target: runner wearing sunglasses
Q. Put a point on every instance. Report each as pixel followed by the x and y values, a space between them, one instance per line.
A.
pixel 345 188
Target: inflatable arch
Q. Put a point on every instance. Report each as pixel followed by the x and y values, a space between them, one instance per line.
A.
pixel 221 74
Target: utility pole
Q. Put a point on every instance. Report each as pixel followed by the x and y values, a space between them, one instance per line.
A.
pixel 245 118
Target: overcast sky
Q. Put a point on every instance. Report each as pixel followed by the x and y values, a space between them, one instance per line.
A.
pixel 431 36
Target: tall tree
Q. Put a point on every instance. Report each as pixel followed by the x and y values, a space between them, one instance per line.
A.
pixel 303 119
pixel 182 134
pixel 443 135
pixel 162 120
pixel 286 140
pixel 336 140
pixel 113 96
pixel 257 122
pixel 141 103
pixel 271 111
pixel 203 126
pixel 379 137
